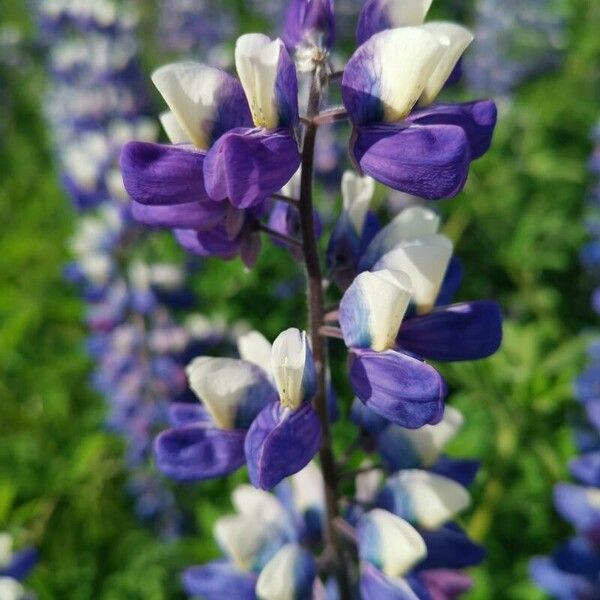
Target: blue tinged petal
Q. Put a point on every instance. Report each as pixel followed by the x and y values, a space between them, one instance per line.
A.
pixel 199 452
pixel 372 309
pixel 293 368
pixel 579 505
pixel 289 575
pixel 423 498
pixel 586 468
pixel 449 547
pixel 374 585
pixel 366 419
pixel 233 391
pixel 385 77
pixel 559 583
pixel 389 543
pixel 219 579
pixel 465 331
pixel 462 470
pixel 404 390
pixel 379 15
pixel 20 564
pixel 309 23
pixel 187 413
pixel 280 442
pixel 451 284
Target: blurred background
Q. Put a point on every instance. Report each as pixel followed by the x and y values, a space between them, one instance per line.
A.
pixel 65 485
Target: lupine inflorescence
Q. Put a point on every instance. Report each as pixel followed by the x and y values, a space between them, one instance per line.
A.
pixel 96 103
pixel 572 572
pixel 240 164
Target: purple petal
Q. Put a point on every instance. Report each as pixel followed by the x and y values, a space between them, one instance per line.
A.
pixel 214 242
pixel 445 584
pixel 463 471
pixel 187 413
pixel 592 410
pixel 429 161
pixel 466 331
pixel 192 215
pixel 477 119
pixel 452 280
pixel 574 503
pixel 286 93
pixel 558 583
pixel 159 174
pixel 450 547
pixel 373 18
pixel 21 564
pixel 280 443
pixel 219 579
pixel 248 165
pixel 400 388
pixel 309 22
pixel 199 452
pixel 374 585
pixel 586 468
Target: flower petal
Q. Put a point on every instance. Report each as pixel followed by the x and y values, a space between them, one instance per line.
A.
pixel 248 165
pixel 579 505
pixel 192 215
pixel 374 585
pixel 309 23
pixel 174 131
pixel 357 193
pixel 372 309
pixel 455 39
pixel 249 501
pixel 422 498
pixel 558 583
pixel 385 77
pixel 187 413
pixel 254 347
pixel 465 331
pixel 402 389
pixel 280 442
pixel 450 547
pixel 293 368
pixel 412 222
pixel 379 15
pixel 389 542
pixel 219 579
pixel 586 468
pixel 233 391
pixel 199 452
pixel 289 574
pixel 402 448
pixel 425 260
pixel 451 284
pixel 463 470
pixel 269 80
pixel 429 161
pixel 213 242
pixel 206 102
pixel 366 419
pixel 445 584
pixel 477 119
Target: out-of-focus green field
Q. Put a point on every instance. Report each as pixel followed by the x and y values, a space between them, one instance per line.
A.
pixel 518 230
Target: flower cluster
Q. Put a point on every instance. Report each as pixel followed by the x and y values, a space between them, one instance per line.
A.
pixel 96 104
pixel 573 570
pixel 516 40
pixel 14 567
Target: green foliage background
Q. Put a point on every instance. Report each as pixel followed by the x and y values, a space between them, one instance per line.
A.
pixel 518 230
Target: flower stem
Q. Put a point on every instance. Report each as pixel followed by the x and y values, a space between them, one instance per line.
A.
pixel 286 239
pixel 316 306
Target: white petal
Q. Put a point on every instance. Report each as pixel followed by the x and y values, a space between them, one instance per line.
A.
pixel 400 544
pixel 223 384
pixel 242 537
pixel 406 12
pixel 11 589
pixel 292 187
pixel 255 348
pixel 368 483
pixel 308 488
pixel 434 499
pixel 190 91
pixel 430 440
pixel 249 501
pixel 425 260
pixel 279 577
pixel 388 295
pixel 455 39
pixel 289 357
pixel 256 60
pixel 405 59
pixel 174 131
pixel 357 193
